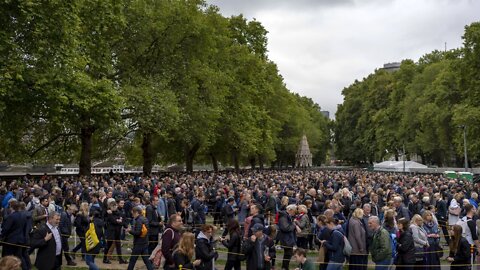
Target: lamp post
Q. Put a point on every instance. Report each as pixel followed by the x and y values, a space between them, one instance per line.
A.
pixel 464 127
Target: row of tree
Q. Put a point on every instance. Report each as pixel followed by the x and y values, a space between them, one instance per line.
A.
pixel 421 109
pixel 155 81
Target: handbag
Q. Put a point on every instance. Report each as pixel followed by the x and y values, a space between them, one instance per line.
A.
pixel 91 238
pixel 157 255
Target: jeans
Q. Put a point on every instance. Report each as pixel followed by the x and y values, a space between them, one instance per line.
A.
pixel 140 251
pixel 383 265
pixel 90 261
pixel 334 266
pixel 81 246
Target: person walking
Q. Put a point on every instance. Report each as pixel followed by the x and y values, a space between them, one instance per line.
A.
pixel 113 232
pixel 154 223
pixel 65 228
pixel 139 230
pixel 170 238
pixel 49 243
pixel 81 223
pixel 98 224
pixel 233 244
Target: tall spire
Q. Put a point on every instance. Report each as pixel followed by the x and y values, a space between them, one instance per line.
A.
pixel 303 158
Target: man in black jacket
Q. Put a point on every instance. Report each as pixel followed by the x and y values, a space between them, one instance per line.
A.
pixel 14 232
pixel 65 228
pixel 49 243
pixel 154 224
pixel 140 239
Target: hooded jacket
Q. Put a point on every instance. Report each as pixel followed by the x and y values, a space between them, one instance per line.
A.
pixel 205 252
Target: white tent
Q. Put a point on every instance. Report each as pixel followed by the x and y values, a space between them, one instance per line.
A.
pixel 397 166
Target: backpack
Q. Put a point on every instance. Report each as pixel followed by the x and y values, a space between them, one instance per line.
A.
pixel 156 256
pixel 144 231
pixel 393 243
pixel 463 222
pixel 191 213
pixel 58 208
pixel 347 247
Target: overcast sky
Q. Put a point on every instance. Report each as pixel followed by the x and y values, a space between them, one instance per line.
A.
pixel 322 46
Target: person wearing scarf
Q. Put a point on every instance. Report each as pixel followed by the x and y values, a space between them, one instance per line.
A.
pixel 433 252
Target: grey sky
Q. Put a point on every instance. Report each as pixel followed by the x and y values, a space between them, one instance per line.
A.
pixel 322 46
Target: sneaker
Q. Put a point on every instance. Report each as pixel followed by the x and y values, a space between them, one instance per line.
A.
pixel 72 263
pixel 106 261
pixel 122 261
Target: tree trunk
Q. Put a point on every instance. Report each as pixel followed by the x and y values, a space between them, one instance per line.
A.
pixel 86 151
pixel 214 162
pixel 190 156
pixel 260 162
pixel 147 153
pixel 252 163
pixel 235 161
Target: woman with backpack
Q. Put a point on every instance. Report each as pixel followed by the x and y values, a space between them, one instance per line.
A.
pixel 234 244
pixel 334 245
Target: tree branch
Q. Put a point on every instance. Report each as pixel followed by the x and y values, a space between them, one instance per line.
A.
pixel 51 141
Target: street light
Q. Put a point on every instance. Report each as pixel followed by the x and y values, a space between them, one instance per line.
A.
pixel 465 145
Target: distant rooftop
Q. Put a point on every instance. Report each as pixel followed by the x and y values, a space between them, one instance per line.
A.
pixel 391 66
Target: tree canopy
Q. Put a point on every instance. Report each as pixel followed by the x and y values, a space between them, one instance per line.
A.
pixel 422 107
pixel 152 81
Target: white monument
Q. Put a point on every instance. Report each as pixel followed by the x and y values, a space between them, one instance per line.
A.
pixel 303 158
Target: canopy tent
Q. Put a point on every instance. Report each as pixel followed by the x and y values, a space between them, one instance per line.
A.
pixel 397 166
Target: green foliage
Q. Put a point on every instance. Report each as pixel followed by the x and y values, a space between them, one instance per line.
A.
pixel 153 81
pixel 420 106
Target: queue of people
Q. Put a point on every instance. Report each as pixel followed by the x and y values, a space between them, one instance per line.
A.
pixel 342 215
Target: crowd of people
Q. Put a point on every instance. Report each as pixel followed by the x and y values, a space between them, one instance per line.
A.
pixel 407 221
